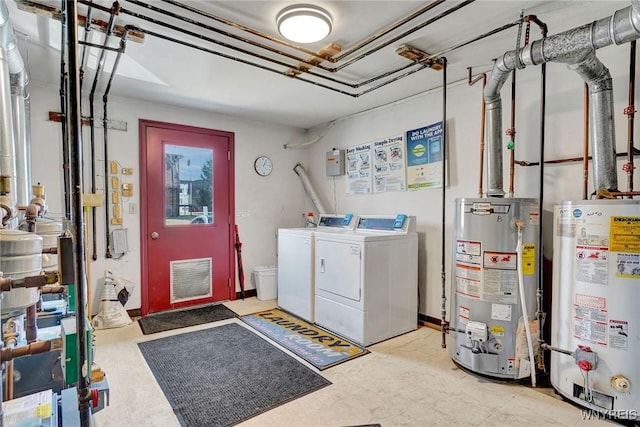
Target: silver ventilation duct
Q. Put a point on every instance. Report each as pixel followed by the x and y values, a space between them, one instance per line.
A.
pixel 575 47
pixel 7 147
pixel 308 188
pixel 23 180
pixel 13 138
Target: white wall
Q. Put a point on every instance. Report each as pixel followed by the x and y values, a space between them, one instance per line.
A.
pixel 564 138
pixel 263 204
pixel 279 200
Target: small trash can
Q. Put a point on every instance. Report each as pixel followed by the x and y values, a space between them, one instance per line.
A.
pixel 266 278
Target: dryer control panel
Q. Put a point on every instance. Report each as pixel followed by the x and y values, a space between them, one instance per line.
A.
pixel 346 221
pixel 401 223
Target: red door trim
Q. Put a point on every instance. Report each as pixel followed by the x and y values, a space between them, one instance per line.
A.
pixel 144 231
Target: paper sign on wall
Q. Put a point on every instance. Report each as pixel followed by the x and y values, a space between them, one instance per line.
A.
pixel 425 157
pixel 359 169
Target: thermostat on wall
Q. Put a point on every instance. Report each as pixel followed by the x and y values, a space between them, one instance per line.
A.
pixel 335 162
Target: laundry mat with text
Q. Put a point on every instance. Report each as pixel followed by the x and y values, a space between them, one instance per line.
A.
pixel 315 345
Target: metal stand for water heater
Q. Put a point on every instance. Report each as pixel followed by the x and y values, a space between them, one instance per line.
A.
pixel 485 302
pixel 596 290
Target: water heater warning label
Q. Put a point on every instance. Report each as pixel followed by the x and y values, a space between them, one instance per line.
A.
pixel 590 320
pixel 619 334
pixel 628 266
pixel 625 234
pixel 592 264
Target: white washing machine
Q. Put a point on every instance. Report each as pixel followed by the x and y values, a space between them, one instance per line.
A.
pixel 296 292
pixel 366 282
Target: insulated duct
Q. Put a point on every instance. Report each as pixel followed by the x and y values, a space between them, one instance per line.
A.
pixel 308 188
pixel 576 48
pixel 23 157
pixel 13 150
pixel 7 147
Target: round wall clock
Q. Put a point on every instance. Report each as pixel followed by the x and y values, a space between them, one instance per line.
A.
pixel 263 166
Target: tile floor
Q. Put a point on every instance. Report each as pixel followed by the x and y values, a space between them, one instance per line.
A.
pixel 405 381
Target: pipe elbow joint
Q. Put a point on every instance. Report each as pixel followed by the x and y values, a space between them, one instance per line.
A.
pixel 33 210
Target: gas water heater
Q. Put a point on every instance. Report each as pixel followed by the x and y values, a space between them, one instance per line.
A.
pixel 487 332
pixel 595 318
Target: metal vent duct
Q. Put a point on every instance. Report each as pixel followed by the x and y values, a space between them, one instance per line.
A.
pixel 575 47
pixel 13 137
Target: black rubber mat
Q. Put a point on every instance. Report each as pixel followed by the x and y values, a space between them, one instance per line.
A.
pixel 226 374
pixel 160 322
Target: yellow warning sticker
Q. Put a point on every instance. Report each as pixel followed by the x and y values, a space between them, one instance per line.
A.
pixel 624 234
pixel 44 410
pixel 528 258
pixel 497 331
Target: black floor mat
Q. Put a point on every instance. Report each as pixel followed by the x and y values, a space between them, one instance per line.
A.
pixel 181 319
pixel 226 374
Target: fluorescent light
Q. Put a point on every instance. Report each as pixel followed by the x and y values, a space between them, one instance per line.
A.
pixel 304 23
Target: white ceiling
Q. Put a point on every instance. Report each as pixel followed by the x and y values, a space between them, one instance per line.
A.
pixel 162 71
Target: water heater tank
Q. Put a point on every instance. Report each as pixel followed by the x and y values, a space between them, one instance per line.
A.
pixel 20 256
pixel 487 330
pixel 49 230
pixel 595 314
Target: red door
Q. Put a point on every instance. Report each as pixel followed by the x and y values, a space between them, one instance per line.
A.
pixel 186 210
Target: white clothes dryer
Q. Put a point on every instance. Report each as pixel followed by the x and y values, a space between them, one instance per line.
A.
pixel 296 293
pixel 366 282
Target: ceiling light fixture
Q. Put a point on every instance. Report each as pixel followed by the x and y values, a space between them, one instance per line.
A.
pixel 304 23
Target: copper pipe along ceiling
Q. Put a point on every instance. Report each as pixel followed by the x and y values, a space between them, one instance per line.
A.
pixel 585 162
pixel 354 49
pixel 630 112
pixel 421 65
pixel 298 68
pixel 273 39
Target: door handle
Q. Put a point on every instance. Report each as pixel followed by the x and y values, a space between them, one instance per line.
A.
pixel 154 235
pixel 321 265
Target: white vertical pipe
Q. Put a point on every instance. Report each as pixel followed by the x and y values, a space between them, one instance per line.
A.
pixel 525 315
pixel 308 187
pixel 23 181
pixel 7 146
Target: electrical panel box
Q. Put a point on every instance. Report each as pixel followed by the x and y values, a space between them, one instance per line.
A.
pixel 120 243
pixel 335 162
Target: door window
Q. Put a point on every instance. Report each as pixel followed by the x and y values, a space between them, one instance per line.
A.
pixel 188 185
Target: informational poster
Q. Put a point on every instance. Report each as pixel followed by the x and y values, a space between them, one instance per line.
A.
pixel 359 177
pixel 388 165
pixel 425 157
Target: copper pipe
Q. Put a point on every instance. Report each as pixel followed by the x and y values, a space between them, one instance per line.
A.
pixel 471 82
pixel 30 327
pixel 8 381
pixel 567 160
pixel 628 194
pixel 585 157
pixel 630 111
pixel 512 133
pixel 35 348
